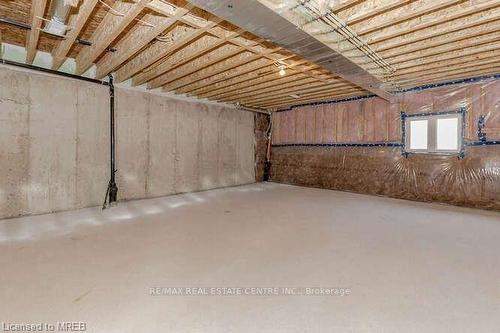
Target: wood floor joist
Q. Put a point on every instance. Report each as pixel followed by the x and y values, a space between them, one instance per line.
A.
pixel 155 52
pixel 37 13
pixel 76 23
pixel 166 53
pixel 109 29
pixel 137 39
pixel 175 46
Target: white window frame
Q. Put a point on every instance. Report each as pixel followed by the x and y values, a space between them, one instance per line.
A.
pixel 432 120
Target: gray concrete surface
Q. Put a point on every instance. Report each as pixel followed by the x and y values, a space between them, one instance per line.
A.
pixel 54 144
pixel 410 267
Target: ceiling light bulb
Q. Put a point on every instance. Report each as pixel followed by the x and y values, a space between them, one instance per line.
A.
pixel 282 71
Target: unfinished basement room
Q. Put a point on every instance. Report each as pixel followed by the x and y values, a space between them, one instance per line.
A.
pixel 248 166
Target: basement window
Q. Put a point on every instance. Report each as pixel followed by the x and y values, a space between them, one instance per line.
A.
pixel 433 133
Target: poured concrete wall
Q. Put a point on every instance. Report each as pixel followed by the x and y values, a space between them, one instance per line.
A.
pixel 54 144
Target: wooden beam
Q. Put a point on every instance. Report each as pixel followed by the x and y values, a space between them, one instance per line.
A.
pixel 346 4
pixel 137 39
pixel 223 77
pixel 272 87
pixel 245 73
pixel 192 55
pixel 243 79
pixel 380 8
pixel 441 64
pixel 448 77
pixel 474 43
pixel 264 81
pixel 454 55
pixel 445 79
pixel 273 82
pixel 300 91
pixel 161 50
pixel 251 79
pixel 107 31
pixel 446 40
pixel 461 69
pixel 324 96
pixel 152 53
pixel 37 10
pixel 405 15
pixel 412 38
pixel 76 23
pixel 393 33
pixel 219 67
pixel 313 88
pixel 252 48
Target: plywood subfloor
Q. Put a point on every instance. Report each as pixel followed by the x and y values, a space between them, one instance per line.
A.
pixel 411 267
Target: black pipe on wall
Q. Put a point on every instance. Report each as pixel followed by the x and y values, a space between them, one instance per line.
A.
pixel 51 71
pixel 113 188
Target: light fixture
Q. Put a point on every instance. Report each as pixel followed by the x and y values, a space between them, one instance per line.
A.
pixel 282 70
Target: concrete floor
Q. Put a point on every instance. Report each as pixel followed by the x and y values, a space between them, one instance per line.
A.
pixel 410 267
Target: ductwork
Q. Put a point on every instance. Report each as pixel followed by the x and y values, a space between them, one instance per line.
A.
pixel 269 25
pixel 60 9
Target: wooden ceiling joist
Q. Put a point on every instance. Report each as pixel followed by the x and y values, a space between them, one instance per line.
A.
pixel 227 52
pixel 479 65
pixel 323 96
pixel 429 23
pixel 241 74
pixel 274 80
pixel 268 91
pixel 206 73
pixel 170 44
pixel 314 88
pixel 137 39
pixel 244 79
pixel 452 27
pixel 463 37
pixel 378 9
pixel 252 79
pixel 453 76
pixel 76 23
pixel 153 53
pixel 37 11
pixel 470 59
pixel 110 28
pixel 383 21
pixel 162 51
pixel 491 37
pixel 346 4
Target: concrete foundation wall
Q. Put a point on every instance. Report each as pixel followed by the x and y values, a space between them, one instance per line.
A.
pixel 54 144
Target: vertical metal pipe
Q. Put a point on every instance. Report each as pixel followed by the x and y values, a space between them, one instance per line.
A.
pixel 113 189
pixel 267 162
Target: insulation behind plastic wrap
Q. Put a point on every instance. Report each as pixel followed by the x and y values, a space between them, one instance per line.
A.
pixel 473 180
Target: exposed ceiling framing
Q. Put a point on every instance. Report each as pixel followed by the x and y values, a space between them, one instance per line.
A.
pixel 172 45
